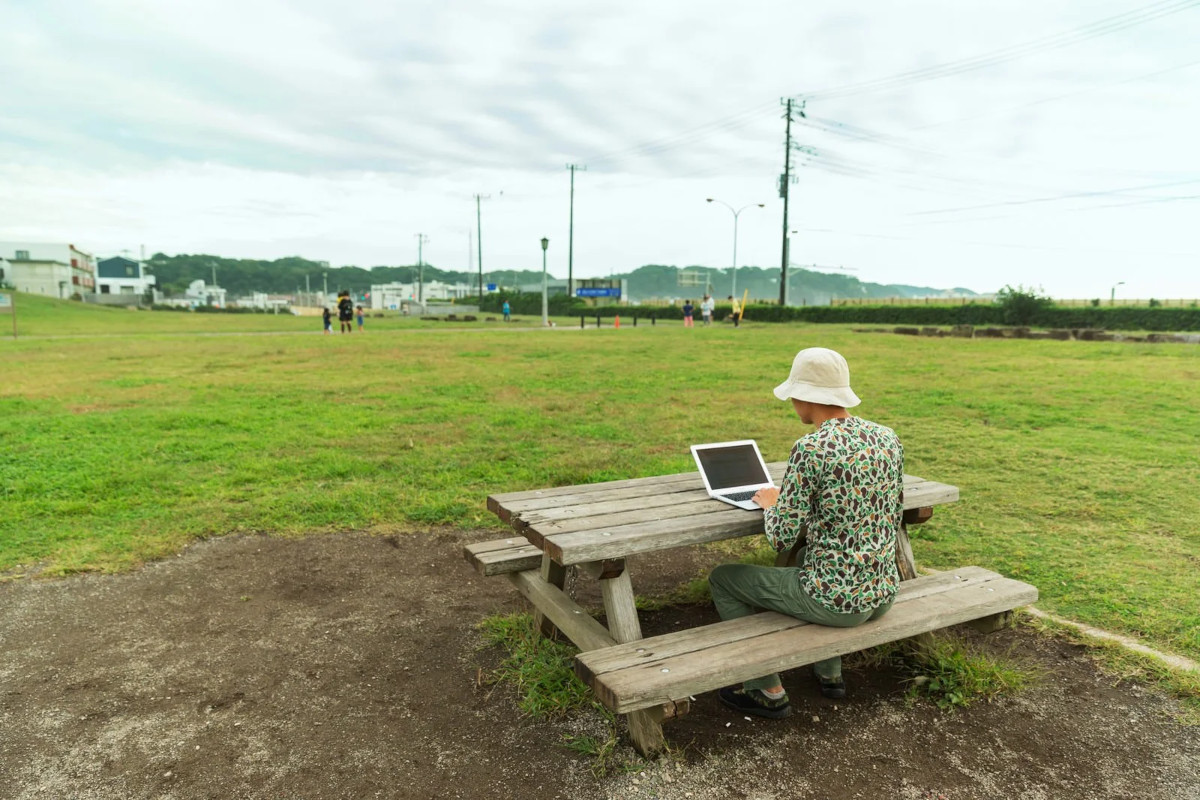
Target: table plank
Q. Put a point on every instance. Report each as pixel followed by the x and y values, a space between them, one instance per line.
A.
pixel 524 504
pixel 580 547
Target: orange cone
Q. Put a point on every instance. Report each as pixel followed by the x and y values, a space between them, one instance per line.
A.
pixel 617 321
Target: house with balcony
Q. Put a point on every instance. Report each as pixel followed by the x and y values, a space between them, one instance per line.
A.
pixel 49 268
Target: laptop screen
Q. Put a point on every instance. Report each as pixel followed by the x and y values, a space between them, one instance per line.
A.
pixel 733 465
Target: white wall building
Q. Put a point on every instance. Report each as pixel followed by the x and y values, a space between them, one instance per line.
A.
pixel 200 294
pixel 264 301
pixel 394 296
pixel 46 278
pixel 81 266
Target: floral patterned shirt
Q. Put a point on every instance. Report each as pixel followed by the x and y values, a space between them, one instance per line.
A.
pixel 844 485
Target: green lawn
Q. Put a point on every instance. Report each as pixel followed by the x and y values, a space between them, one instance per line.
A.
pixel 41 316
pixel 1076 460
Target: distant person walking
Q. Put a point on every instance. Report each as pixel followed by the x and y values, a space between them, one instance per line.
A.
pixel 736 314
pixel 688 310
pixel 358 312
pixel 327 318
pixel 706 309
pixel 507 309
pixel 345 312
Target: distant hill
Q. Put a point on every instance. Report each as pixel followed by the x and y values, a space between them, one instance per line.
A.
pixel 287 275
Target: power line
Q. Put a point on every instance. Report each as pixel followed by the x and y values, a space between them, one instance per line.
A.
pixel 1102 27
pixel 741 119
pixel 1069 196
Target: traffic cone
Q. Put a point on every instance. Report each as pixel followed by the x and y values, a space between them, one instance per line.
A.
pixel 617 321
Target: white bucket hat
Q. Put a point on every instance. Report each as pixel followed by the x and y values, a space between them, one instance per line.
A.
pixel 819 375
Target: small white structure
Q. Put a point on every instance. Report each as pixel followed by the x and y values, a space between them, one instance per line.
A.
pixel 200 294
pixel 264 301
pixel 394 296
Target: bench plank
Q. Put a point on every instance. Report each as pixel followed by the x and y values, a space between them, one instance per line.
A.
pixel 598 663
pixel 659 680
pixel 501 556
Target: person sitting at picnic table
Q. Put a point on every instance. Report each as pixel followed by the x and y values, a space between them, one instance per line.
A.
pixel 843 488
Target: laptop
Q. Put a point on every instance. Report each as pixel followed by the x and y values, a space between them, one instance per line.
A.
pixel 732 471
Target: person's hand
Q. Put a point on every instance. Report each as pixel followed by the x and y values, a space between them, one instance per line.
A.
pixel 766 497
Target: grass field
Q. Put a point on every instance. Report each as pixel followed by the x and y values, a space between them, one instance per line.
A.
pixel 1076 460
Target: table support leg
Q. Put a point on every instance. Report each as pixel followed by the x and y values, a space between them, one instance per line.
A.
pixel 904 555
pixel 645 727
pixel 554 574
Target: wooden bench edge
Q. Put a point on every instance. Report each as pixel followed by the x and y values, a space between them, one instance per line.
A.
pixel 502 556
pixel 1025 594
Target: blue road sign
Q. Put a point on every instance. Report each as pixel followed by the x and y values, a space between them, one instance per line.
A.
pixel 610 292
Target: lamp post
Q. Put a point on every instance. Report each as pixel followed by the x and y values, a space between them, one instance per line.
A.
pixel 1112 296
pixel 733 289
pixel 545 302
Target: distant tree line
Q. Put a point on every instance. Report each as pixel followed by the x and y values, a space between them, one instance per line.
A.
pixel 241 276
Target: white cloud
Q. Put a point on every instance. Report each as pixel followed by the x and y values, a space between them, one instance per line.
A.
pixel 339 131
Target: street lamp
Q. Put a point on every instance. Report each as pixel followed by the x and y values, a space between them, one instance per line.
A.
pixel 733 290
pixel 545 303
pixel 1112 296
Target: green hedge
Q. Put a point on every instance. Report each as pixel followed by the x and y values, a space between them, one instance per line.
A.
pixel 1123 318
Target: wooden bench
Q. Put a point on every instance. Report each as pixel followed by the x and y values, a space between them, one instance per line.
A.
pixel 664 669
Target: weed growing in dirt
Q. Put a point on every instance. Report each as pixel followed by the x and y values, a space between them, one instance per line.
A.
pixel 695 591
pixel 542 672
pixel 945 670
pixel 540 669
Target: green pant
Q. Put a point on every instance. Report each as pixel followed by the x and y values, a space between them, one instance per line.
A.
pixel 739 590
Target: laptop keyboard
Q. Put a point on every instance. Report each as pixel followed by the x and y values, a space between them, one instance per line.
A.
pixel 738 497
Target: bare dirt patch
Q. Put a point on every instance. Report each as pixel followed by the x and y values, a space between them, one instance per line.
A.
pixel 347 667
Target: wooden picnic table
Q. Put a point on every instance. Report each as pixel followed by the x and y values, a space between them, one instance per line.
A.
pixel 596 527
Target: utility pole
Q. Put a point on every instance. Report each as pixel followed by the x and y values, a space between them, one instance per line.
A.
pixel 421 240
pixel 571 233
pixel 479 237
pixel 784 184
pixel 307 292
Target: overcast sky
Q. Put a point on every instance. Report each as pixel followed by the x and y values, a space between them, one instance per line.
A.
pixel 1057 148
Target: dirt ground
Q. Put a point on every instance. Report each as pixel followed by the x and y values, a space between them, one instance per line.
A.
pixel 346 667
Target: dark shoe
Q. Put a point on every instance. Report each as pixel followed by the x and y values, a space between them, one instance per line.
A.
pixel 834 689
pixel 753 701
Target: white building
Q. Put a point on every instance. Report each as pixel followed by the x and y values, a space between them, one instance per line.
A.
pixel 52 269
pixel 120 275
pixel 200 294
pixel 395 296
pixel 264 301
pixel 46 278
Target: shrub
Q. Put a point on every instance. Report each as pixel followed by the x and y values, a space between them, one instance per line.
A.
pixel 1020 305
